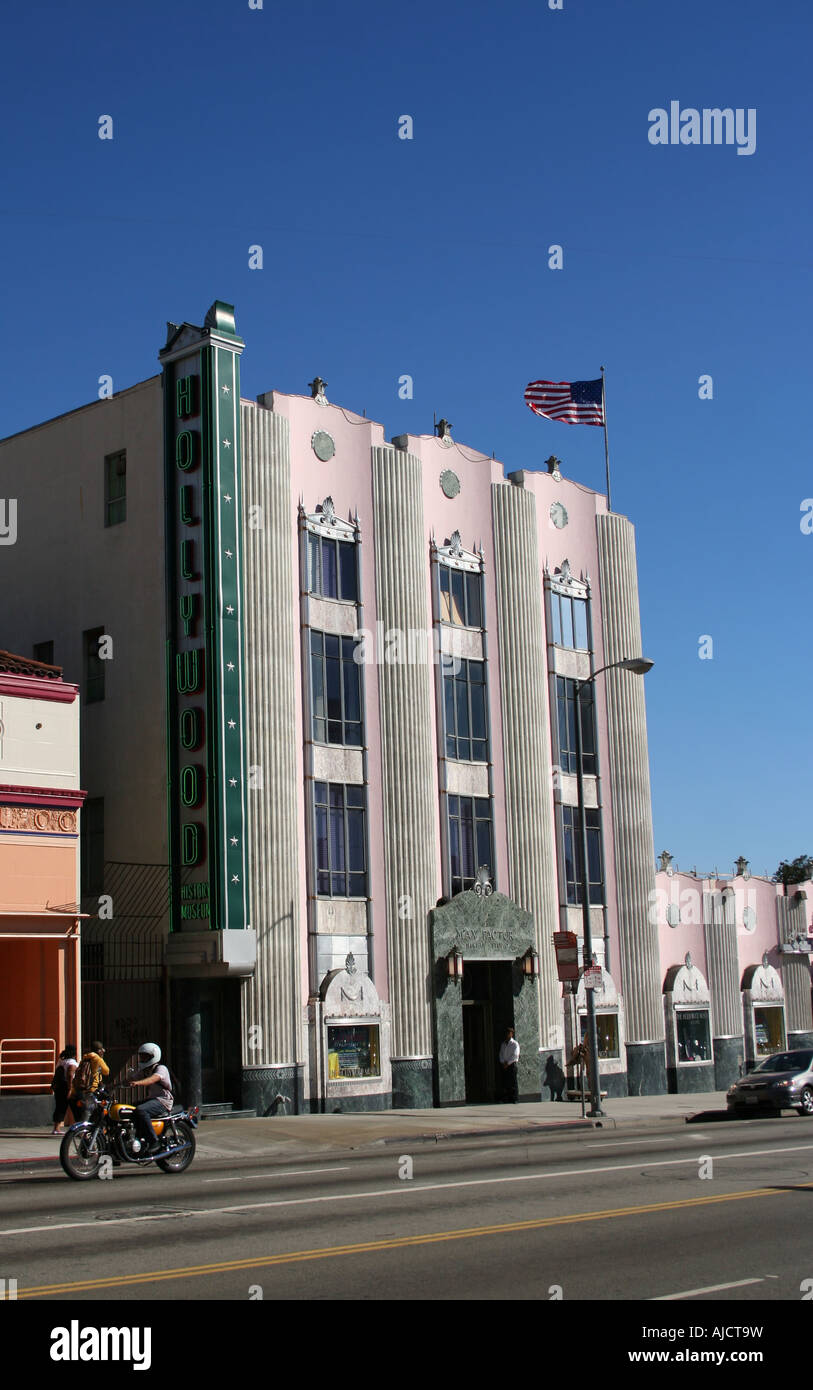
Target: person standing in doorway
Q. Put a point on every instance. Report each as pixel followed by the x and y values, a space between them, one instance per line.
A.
pixel 509 1061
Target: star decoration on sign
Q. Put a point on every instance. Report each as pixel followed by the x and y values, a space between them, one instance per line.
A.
pixel 233 840
pixel 229 665
pixel 226 390
pixel 230 608
pixel 232 724
pixel 232 781
pixel 235 878
pixel 227 497
pixel 226 443
pixel 228 554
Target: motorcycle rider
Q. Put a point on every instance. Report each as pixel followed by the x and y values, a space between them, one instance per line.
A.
pixel 159 1095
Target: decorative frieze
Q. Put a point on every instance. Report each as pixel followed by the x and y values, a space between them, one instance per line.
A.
pixel 35 818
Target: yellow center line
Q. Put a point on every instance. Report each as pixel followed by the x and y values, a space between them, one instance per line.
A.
pixel 395 1243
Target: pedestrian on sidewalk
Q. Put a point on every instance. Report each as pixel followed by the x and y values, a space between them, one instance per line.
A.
pixel 61 1085
pixel 509 1061
pixel 87 1078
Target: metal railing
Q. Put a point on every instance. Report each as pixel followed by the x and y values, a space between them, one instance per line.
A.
pixel 27 1064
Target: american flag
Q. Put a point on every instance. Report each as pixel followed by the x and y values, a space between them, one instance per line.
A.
pixel 573 402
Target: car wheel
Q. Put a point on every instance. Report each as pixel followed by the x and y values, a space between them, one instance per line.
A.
pixel 806 1098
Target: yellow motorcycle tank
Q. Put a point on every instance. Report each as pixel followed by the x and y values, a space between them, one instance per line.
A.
pixel 122 1112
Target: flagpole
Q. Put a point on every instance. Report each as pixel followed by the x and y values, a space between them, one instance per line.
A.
pixel 606 441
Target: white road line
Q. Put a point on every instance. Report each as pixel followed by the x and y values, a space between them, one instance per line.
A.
pixel 710 1288
pixel 631 1143
pixel 289 1173
pixel 403 1189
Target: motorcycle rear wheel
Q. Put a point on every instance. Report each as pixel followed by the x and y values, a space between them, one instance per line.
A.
pixel 80 1152
pixel 179 1162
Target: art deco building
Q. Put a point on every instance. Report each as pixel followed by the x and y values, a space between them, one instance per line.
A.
pixel 328 736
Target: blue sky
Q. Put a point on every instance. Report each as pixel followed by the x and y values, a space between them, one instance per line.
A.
pixel 383 256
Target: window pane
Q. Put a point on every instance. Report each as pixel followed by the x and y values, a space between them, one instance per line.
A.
pixel 321 838
pixel 482 808
pixel 556 620
pixel 580 623
pixel 349 572
pixel 337 798
pixel 352 703
pixel 352 735
pixel 337 846
pixel 355 840
pixel 475 610
pixel 314 565
pixel 333 688
pixel 478 711
pixel 445 589
pixel 567 621
pixel 462 702
pixel 318 687
pixel 320 792
pixel 458 597
pixel 355 796
pixel 329 577
pixel 484 855
pixel 467 863
pixel 454 848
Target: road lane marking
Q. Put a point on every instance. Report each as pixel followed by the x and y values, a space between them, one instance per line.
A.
pixel 627 1143
pixel 391 1243
pixel 710 1288
pixel 403 1189
pixel 289 1173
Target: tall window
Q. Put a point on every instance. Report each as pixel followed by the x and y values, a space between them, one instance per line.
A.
pixel 332 568
pixel 573 871
pixel 566 727
pixel 92 846
pixel 465 700
pixel 461 597
pixel 569 620
pixel 341 861
pixel 470 839
pixel 44 651
pixel 115 489
pixel 336 689
pixel 93 666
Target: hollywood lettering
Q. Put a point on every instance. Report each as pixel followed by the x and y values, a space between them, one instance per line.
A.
pixel 189 662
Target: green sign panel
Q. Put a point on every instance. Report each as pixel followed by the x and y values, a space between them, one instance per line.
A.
pixel 205 693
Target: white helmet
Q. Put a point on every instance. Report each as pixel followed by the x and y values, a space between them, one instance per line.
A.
pixel 149 1055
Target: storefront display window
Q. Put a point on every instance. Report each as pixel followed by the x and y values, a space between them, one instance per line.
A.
pixel 769 1030
pixel 352 1052
pixel 607 1034
pixel 693 1035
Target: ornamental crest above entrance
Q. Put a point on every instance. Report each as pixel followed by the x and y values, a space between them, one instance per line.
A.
pixel 483 926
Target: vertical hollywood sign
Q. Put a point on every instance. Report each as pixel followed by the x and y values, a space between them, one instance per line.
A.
pixel 206 743
pixel 189 653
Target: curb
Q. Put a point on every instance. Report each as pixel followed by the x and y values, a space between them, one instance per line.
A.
pixel 9 1164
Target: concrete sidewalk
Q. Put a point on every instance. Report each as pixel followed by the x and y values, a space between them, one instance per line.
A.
pixel 311 1135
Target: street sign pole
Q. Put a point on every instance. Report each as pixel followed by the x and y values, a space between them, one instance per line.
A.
pixel 592 1036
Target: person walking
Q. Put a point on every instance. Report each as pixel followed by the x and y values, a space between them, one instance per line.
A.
pixel 509 1060
pixel 87 1078
pixel 61 1085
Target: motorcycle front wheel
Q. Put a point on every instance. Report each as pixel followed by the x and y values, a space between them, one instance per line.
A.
pixel 80 1152
pixel 178 1162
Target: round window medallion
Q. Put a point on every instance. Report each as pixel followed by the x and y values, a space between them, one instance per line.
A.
pixel 558 515
pixel 449 483
pixel 323 445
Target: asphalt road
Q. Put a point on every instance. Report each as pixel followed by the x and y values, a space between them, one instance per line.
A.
pixel 713 1213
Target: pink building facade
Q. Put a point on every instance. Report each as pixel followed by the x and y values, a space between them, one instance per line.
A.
pixel 40 803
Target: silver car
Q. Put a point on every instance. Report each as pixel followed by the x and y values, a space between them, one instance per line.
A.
pixel 781 1082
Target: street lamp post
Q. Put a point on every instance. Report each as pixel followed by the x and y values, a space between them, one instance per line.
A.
pixel 639 665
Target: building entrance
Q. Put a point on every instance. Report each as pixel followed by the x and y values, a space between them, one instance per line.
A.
pixel 488 1010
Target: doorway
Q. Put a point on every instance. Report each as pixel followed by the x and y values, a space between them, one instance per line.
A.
pixel 488 1010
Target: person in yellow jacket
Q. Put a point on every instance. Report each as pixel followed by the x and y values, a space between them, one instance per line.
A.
pixel 87 1078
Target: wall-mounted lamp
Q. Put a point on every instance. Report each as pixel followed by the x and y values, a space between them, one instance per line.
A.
pixel 454 963
pixel 530 964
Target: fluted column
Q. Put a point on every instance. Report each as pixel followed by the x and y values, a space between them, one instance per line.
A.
pixel 408 768
pixel 723 973
pixel 632 808
pixel 795 970
pixel 271 1014
pixel 526 737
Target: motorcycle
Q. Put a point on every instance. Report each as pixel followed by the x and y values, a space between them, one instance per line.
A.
pixel 108 1131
